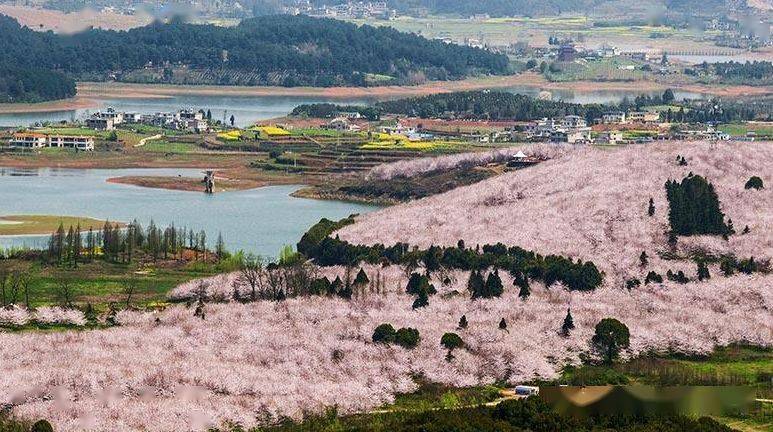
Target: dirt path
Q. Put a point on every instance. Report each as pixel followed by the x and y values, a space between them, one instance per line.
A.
pixel 146 139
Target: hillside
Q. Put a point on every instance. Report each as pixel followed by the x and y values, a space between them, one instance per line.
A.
pixel 277 50
pixel 255 360
pixel 591 204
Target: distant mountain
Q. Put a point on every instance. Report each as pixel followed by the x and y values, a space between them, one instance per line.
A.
pixel 281 49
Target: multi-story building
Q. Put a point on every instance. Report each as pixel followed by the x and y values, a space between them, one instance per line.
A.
pixel 614 117
pixel 33 140
pixel 28 140
pixel 71 141
pixel 644 117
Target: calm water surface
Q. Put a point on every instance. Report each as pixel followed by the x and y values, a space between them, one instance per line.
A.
pixel 259 220
pixel 248 109
pixel 245 109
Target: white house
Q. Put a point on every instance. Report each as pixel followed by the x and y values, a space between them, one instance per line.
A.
pixel 71 141
pixel 613 117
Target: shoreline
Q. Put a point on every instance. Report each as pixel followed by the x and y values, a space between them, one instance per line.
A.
pixel 91 94
pixel 36 225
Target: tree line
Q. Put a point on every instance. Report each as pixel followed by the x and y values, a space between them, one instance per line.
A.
pixel 116 243
pixel 305 50
pixel 317 244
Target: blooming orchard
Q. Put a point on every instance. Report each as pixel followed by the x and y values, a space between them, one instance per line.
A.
pixel 591 204
pixel 255 362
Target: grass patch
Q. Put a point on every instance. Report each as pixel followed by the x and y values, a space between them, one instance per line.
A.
pixel 731 365
pixel 100 282
pixel 163 146
pixel 44 224
pixel 740 129
pixel 433 396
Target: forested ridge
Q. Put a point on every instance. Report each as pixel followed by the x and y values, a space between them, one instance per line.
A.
pixel 281 49
pixel 492 105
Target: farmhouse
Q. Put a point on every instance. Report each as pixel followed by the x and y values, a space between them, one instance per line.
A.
pixel 609 138
pixel 28 140
pixel 99 123
pixel 643 117
pixel 342 124
pixel 572 136
pixel 110 114
pixel 614 117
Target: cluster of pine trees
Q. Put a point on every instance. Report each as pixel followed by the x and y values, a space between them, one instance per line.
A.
pixel 317 244
pixel 124 244
pixel 694 207
pixel 489 105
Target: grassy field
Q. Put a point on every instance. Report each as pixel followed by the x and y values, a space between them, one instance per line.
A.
pixel 434 396
pixel 740 129
pixel 535 31
pixel 598 70
pixel 164 146
pixel 43 224
pixel 100 282
pixel 733 365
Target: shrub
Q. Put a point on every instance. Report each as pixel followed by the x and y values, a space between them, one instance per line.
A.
pixel 451 341
pixel 421 301
pixel 653 277
pixel 754 182
pixel 42 426
pixel 407 338
pixel 632 283
pixel 384 333
pixel 418 284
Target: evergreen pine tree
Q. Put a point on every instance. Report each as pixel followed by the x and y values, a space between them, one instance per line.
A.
pixel 463 322
pixel 651 209
pixel 523 284
pixel 643 259
pixel 703 271
pixel 503 324
pixel 568 324
pixel 476 284
pixel 77 245
pixel 421 301
pixel 494 286
pixel 361 279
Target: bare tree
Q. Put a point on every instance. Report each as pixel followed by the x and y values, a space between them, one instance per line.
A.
pixel 64 291
pixel 129 288
pixel 5 276
pixel 251 274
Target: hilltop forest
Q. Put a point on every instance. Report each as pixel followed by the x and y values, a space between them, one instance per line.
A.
pixel 274 50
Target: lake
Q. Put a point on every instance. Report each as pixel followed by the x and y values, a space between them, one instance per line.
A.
pixel 245 109
pixel 258 220
pixel 248 109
